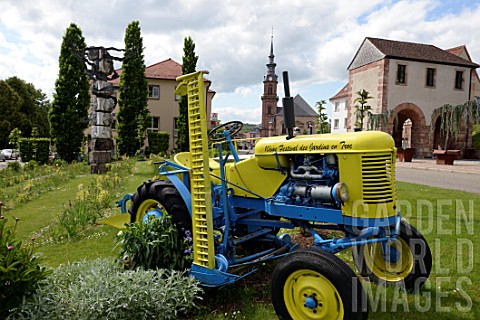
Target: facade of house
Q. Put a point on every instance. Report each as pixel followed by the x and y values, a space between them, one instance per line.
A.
pixel 340 110
pixel 410 80
pixel 273 123
pixel 162 101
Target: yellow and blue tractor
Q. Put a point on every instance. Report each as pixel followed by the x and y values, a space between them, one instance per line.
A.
pixel 240 211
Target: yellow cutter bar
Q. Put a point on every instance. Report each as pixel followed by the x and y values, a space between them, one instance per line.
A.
pixel 203 246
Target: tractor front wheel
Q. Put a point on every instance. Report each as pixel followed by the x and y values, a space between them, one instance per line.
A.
pixel 314 284
pixel 160 198
pixel 405 262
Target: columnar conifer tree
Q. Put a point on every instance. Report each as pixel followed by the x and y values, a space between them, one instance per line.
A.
pixel 68 114
pixel 189 65
pixel 133 110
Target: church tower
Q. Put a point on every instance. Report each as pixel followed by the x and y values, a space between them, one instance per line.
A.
pixel 269 97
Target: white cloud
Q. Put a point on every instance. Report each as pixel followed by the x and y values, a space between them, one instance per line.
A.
pixel 314 40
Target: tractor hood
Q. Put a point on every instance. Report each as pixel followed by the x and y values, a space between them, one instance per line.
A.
pixel 349 142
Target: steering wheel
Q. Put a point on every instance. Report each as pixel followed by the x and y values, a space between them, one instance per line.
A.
pixel 232 128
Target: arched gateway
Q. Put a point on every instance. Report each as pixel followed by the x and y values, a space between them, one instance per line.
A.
pixel 409 129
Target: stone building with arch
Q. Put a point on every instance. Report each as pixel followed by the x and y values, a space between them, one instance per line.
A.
pixel 411 80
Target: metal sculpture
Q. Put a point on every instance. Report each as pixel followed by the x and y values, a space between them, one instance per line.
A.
pixel 99 66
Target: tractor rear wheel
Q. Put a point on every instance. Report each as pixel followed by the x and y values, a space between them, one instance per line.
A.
pixel 314 284
pixel 404 262
pixel 159 198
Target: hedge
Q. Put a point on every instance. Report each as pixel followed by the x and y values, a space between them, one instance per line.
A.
pixel 36 149
pixel 158 142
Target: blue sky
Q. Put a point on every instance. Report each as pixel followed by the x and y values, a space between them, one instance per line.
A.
pixel 313 40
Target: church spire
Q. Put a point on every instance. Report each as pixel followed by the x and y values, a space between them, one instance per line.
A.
pixel 269 125
pixel 271 64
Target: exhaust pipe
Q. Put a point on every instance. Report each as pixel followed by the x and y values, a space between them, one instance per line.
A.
pixel 288 112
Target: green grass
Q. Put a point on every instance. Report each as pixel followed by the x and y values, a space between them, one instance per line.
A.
pixel 443 216
pixel 97 241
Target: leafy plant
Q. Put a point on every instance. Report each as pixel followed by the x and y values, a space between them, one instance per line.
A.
pixel 14 137
pixel 362 109
pixel 323 125
pixel 476 137
pixel 155 244
pixel 14 166
pixel 20 270
pixel 101 289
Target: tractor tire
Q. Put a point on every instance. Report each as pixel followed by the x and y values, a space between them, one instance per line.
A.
pixel 314 284
pixel 413 260
pixel 164 197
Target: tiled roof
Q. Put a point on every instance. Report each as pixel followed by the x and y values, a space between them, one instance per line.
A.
pixel 418 52
pixel 301 108
pixel 166 69
pixel 456 51
pixel 343 93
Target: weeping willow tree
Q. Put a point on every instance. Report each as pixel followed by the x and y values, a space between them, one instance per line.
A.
pixel 377 121
pixel 452 117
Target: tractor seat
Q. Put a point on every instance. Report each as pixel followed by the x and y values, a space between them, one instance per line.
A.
pixel 183 159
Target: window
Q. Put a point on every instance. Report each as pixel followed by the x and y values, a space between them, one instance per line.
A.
pixel 335 123
pixel 459 80
pixel 270 89
pixel 430 77
pixel 401 73
pixel 345 123
pixel 269 110
pixel 337 106
pixel 346 104
pixel 155 124
pixel 154 92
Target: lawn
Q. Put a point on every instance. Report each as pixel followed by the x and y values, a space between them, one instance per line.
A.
pixel 446 218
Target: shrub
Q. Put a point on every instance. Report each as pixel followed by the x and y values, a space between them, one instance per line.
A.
pixel 34 149
pixel 20 270
pixel 14 166
pixel 158 142
pixel 31 165
pixel 476 137
pixel 155 244
pixel 101 289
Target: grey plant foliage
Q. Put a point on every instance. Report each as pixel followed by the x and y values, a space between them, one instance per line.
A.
pixel 377 121
pixel 102 289
pixel 452 117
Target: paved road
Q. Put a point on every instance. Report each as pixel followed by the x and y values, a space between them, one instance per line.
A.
pixel 469 182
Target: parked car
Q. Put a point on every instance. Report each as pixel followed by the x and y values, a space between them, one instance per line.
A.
pixel 10 154
pixel 2 156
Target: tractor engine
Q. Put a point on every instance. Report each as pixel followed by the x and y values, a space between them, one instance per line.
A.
pixel 313 181
pixel 353 172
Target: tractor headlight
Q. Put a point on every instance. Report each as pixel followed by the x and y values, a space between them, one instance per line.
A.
pixel 340 192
